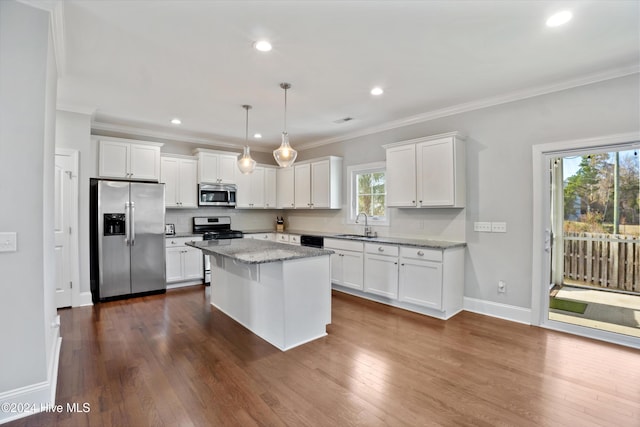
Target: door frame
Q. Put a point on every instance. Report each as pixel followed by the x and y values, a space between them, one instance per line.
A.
pixel 74 254
pixel 542 155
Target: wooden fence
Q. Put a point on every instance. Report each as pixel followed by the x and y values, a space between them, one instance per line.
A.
pixel 610 261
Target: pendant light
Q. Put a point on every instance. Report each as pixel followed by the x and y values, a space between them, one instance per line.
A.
pixel 245 163
pixel 285 155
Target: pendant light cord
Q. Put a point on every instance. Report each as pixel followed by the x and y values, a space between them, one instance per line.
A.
pixel 285 109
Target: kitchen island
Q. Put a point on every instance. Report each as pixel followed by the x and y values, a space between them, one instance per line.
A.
pixel 279 292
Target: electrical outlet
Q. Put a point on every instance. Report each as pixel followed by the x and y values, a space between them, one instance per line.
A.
pixel 498 227
pixel 502 286
pixel 8 242
pixel 482 227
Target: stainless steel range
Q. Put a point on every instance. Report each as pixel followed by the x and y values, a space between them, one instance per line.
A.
pixel 213 228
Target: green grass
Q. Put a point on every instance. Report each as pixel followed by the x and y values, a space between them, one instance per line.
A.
pixel 566 305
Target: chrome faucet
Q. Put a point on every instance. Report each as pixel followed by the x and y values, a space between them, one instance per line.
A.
pixel 367 229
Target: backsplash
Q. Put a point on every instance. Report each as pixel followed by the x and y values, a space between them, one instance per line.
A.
pixel 241 219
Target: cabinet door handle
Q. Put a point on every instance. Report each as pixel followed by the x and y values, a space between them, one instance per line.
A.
pixel 402 264
pixel 380 249
pixel 395 263
pixel 420 253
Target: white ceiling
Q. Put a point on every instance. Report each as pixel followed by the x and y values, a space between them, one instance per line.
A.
pixel 141 63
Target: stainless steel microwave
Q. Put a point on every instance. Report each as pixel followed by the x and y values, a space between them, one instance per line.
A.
pixel 217 195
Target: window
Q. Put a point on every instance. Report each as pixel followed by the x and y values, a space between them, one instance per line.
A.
pixel 367 192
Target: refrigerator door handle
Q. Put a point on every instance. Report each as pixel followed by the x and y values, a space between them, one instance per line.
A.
pixel 133 222
pixel 127 221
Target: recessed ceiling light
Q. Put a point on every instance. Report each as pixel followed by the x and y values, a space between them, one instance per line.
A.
pixel 257 135
pixel 559 18
pixel 377 91
pixel 262 46
pixel 176 121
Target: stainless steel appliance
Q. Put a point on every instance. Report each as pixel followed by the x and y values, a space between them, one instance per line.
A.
pixel 217 195
pixel 213 228
pixel 127 238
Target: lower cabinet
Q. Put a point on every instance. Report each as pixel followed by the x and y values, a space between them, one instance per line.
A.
pixel 347 263
pixel 425 280
pixel 381 270
pixel 260 236
pixel 183 263
pixel 420 277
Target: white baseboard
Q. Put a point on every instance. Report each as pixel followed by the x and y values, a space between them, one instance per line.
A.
pixel 24 401
pixel 184 284
pixel 499 310
pixel 85 299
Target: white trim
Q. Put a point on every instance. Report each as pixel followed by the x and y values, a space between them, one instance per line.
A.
pixel 76 108
pixel 134 130
pixel 592 333
pixel 85 299
pixel 496 309
pixel 37 396
pixel 58 32
pixel 74 253
pixel 478 104
pixel 98 138
pixel 542 154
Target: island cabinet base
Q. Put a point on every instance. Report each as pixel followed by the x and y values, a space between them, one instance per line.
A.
pixel 286 303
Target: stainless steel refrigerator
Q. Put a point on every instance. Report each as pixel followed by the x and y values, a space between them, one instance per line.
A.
pixel 127 239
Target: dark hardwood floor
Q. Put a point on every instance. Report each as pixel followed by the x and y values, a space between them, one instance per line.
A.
pixel 174 360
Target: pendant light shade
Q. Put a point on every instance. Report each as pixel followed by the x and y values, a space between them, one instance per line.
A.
pixel 285 155
pixel 245 163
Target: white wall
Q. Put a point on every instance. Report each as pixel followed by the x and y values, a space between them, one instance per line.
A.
pixel 73 131
pixel 27 93
pixel 499 175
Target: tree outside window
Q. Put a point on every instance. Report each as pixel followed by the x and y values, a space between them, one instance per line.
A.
pixel 371 194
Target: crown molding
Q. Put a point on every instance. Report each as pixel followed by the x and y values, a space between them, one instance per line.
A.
pixel 48 5
pixel 478 104
pixel 75 108
pixel 171 136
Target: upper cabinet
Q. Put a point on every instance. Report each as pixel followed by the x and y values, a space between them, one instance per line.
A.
pixel 285 182
pixel 215 167
pixel 317 184
pixel 427 172
pixel 257 189
pixel 127 159
pixel 180 176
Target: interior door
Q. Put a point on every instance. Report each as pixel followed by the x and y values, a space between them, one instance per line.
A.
pixel 63 177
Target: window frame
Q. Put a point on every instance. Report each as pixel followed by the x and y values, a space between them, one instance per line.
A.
pixel 352 172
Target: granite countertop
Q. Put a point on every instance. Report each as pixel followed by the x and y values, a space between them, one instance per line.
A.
pixel 421 243
pixel 251 251
pixel 178 235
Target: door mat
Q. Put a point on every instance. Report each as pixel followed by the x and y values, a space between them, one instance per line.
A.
pixel 566 305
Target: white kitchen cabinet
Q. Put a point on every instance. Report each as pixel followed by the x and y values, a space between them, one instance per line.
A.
pixel 282 238
pixel 124 159
pixel 180 176
pixel 302 187
pixel 251 188
pixel 318 184
pixel 285 184
pixel 183 263
pixel 401 176
pixel 294 239
pixel 426 172
pixel 420 277
pixel 270 188
pixel 347 263
pixel 215 167
pixel 260 236
pixel 381 270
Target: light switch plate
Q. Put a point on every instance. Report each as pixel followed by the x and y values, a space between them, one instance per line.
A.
pixel 498 227
pixel 8 242
pixel 482 227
